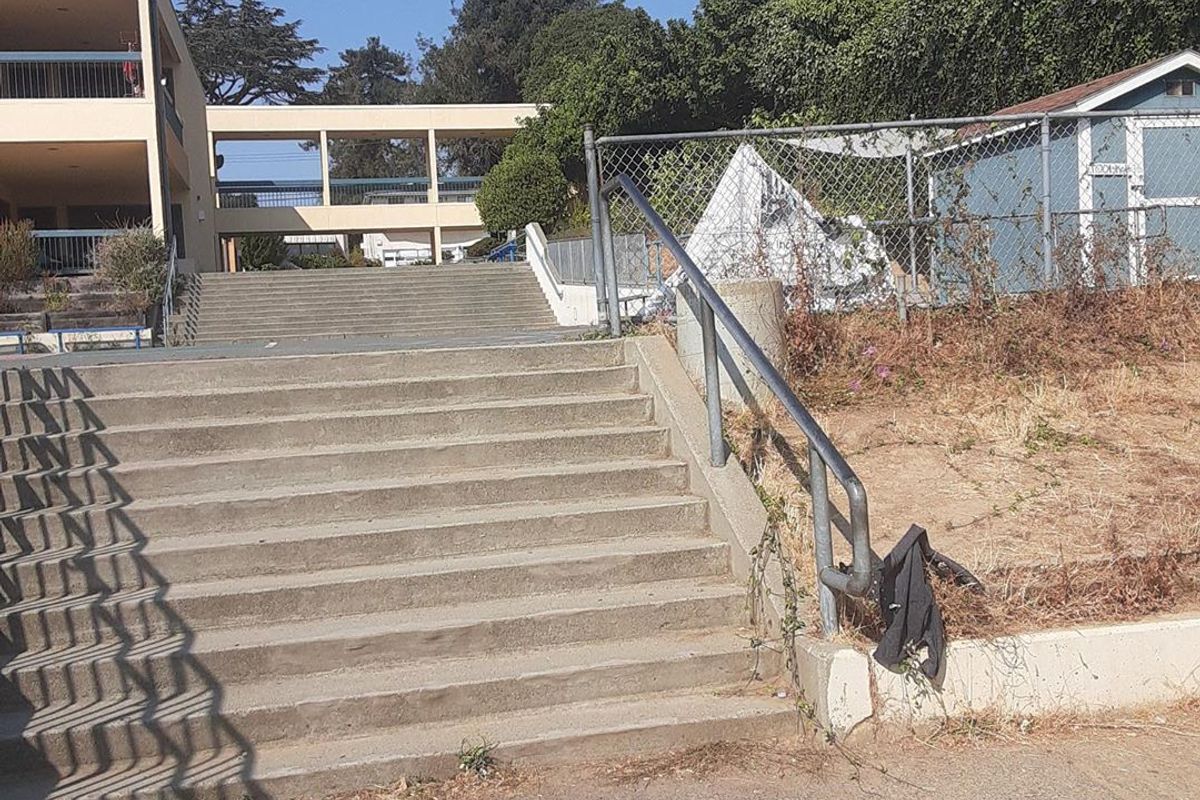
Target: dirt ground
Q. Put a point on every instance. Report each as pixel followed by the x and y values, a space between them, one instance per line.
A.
pixel 1141 758
pixel 1075 500
pixel 1029 473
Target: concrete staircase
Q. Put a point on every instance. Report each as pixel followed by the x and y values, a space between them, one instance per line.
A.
pixel 284 577
pixel 409 302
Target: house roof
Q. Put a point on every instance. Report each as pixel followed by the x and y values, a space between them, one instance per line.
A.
pixel 1087 96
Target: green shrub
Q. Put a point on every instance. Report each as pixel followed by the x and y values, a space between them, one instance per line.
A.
pixel 484 246
pixel 19 254
pixel 56 293
pixel 258 253
pixel 134 264
pixel 526 186
pixel 359 259
pixel 319 261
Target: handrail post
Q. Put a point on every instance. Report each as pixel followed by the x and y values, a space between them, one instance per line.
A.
pixel 610 271
pixel 818 485
pixel 595 199
pixel 712 384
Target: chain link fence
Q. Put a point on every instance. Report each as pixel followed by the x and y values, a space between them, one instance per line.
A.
pixel 925 212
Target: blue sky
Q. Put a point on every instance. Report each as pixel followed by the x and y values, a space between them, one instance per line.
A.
pixel 347 23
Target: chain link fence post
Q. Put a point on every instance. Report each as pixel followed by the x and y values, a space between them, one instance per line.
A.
pixel 1047 212
pixel 594 203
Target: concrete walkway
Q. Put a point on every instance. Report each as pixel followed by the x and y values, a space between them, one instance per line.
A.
pixel 1137 763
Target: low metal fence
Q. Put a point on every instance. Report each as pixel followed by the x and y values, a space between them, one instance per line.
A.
pixel 575 261
pixel 40 76
pixel 70 252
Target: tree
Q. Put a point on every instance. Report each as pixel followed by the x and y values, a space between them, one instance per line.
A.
pixel 526 186
pixel 245 52
pixel 713 59
pixel 373 74
pixel 604 66
pixel 265 252
pixel 487 49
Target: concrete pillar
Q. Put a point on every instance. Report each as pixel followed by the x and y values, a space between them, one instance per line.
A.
pixel 436 239
pixel 231 260
pixel 156 157
pixel 433 167
pixel 759 306
pixel 327 191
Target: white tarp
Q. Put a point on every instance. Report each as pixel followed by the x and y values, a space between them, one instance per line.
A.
pixel 882 143
pixel 757 225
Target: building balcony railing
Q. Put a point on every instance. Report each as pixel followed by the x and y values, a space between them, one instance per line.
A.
pixel 42 76
pixel 270 194
pixel 70 252
pixel 344 192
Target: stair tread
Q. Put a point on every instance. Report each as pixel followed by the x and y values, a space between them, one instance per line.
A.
pixel 291 490
pixel 511 731
pixel 231 422
pixel 400 444
pixel 376 681
pixel 347 576
pixel 223 391
pixel 328 630
pixel 498 513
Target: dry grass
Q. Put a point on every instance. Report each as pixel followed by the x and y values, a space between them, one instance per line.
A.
pixel 1049 445
pixel 1180 719
pixel 504 784
pixel 868 355
pixel 701 762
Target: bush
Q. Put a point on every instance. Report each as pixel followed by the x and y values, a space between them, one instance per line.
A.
pixel 320 261
pixel 359 259
pixel 258 253
pixel 19 254
pixel 526 186
pixel 483 247
pixel 134 264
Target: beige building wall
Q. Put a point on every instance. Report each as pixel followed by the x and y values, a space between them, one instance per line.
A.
pixel 39 138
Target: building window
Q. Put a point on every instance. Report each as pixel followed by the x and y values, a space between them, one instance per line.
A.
pixel 1181 88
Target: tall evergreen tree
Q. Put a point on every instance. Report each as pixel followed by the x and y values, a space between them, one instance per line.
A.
pixel 246 53
pixel 373 74
pixel 487 49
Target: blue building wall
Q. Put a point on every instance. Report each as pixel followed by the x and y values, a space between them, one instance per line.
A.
pixel 999 182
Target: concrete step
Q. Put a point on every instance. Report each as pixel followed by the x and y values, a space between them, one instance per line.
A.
pixel 396 304
pixel 249 337
pixel 44 568
pixel 363 289
pixel 384 329
pixel 316 299
pixel 311 466
pixel 354 703
pixel 578 732
pixel 513 316
pixel 158 441
pixel 340 275
pixel 267 600
pixel 19 418
pixel 204 375
pixel 120 661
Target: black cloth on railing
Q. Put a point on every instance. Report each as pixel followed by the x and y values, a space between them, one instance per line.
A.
pixel 910 612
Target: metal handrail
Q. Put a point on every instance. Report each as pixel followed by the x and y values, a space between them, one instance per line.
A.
pixel 168 298
pixel 510 250
pixel 823 454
